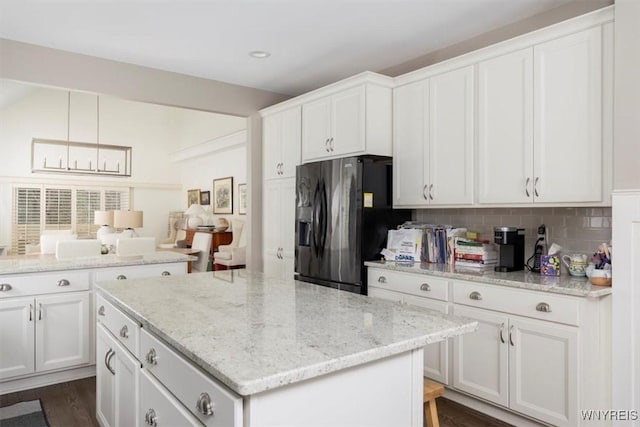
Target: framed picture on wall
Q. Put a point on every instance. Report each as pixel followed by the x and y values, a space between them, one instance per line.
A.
pixel 193 197
pixel 205 198
pixel 223 195
pixel 242 199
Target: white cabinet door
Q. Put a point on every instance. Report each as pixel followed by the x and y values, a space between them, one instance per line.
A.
pixel 16 337
pixel 543 371
pixel 410 149
pixel 126 387
pixel 505 128
pixel 451 135
pixel 287 225
pixel 316 129
pixel 62 331
pixel 272 145
pixel 568 118
pixel 348 122
pixel 160 407
pixel 105 379
pixel 291 141
pixel 279 227
pixel 480 359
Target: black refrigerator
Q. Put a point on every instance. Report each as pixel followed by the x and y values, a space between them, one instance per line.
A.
pixel 343 213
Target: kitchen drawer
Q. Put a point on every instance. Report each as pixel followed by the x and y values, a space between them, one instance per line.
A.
pixel 414 284
pixel 125 329
pixel 519 302
pixel 48 283
pixel 137 271
pixel 188 383
pixel 159 407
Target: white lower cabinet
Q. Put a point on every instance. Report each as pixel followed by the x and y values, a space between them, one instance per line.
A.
pixel 158 407
pixel 17 356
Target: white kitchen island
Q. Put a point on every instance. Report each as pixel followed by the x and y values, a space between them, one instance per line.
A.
pixel 237 348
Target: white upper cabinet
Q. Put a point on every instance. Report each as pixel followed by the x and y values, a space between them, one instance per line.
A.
pixel 568 118
pixel 281 143
pixel 505 128
pixel 433 141
pixel 352 117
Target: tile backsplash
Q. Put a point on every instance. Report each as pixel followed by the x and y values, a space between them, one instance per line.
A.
pixel 575 229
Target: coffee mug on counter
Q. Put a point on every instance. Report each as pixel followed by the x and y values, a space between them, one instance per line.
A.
pixel 576 263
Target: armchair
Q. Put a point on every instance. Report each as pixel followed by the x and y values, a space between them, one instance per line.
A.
pixel 234 254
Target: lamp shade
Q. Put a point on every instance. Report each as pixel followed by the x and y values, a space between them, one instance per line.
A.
pixel 127 219
pixel 103 217
pixel 194 210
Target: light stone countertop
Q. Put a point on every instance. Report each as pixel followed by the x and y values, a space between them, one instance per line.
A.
pixel 42 263
pixel 253 333
pixel 564 284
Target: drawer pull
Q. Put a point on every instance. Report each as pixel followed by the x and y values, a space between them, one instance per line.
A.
pixel 425 287
pixel 63 282
pixel 204 404
pixel 101 311
pixel 150 418
pixel 121 277
pixel 152 358
pixel 501 329
pixel 544 307
pixel 475 295
pixel 166 273
pixel 5 287
pixel 511 336
pixel 382 279
pixel 124 332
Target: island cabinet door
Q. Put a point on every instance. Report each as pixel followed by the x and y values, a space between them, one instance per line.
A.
pixel 62 330
pixel 543 370
pixel 126 388
pixel 159 407
pixel 16 337
pixel 105 378
pixel 480 358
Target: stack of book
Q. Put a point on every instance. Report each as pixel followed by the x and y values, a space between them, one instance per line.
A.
pixel 474 254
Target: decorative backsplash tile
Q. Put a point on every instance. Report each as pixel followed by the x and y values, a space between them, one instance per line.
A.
pixel 575 229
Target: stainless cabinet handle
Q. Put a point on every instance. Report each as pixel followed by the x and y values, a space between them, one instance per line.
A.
pixel 40 311
pixel 101 311
pixel 166 273
pixel 501 329
pixel 152 358
pixel 382 279
pixel 5 287
pixel 107 361
pixel 63 282
pixel 121 277
pixel 526 187
pixel 510 335
pixel 425 287
pixel 124 332
pixel 150 418
pixel 331 144
pixel 326 145
pixel 430 190
pixel 475 295
pixel 535 186
pixel 204 405
pixel 424 192
pixel 544 307
pixel 30 312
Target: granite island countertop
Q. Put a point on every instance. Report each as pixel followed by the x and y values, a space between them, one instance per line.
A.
pixel 564 284
pixel 48 262
pixel 255 333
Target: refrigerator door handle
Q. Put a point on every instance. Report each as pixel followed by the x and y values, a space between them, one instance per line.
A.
pixel 323 216
pixel 315 213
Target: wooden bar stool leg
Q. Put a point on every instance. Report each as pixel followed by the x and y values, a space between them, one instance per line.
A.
pixel 431 413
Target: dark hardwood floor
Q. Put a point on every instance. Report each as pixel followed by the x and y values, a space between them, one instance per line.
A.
pixel 73 404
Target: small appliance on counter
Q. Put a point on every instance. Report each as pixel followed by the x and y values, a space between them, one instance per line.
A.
pixel 510 241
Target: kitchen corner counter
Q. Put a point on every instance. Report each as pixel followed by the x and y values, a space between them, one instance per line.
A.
pixel 564 284
pixel 41 263
pixel 253 333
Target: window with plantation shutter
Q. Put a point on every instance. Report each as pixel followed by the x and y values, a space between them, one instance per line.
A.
pixel 39 208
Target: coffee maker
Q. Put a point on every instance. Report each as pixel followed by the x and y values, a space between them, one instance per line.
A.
pixel 510 241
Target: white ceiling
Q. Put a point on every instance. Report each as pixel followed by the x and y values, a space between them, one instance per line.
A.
pixel 312 42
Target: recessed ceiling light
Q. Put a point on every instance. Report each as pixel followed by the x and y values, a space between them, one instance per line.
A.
pixel 259 54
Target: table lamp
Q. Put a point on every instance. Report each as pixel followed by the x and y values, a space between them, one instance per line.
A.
pixel 105 219
pixel 127 220
pixel 193 215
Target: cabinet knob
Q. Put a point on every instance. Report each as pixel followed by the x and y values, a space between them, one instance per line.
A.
pixel 475 295
pixel 166 273
pixel 152 358
pixel 425 287
pixel 101 311
pixel 5 287
pixel 63 282
pixel 382 279
pixel 124 332
pixel 204 405
pixel 544 307
pixel 121 277
pixel 150 418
